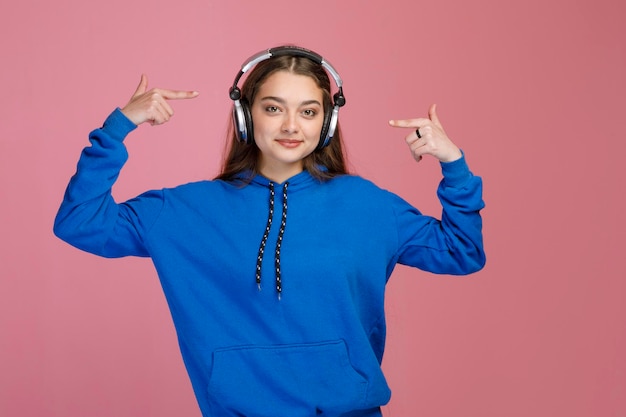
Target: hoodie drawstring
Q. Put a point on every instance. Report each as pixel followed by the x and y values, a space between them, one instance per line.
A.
pixel 279 241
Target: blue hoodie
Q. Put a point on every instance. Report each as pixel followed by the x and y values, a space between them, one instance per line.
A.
pixel 276 290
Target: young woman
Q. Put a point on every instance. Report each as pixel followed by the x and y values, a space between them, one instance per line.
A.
pixel 275 271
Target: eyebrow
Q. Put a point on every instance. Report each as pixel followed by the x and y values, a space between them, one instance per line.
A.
pixel 282 101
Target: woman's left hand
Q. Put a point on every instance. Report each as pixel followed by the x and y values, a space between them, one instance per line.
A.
pixel 432 139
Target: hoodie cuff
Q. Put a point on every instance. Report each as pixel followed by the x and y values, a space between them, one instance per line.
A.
pixel 118 125
pixel 456 173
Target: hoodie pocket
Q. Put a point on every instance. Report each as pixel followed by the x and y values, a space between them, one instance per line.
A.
pixel 287 380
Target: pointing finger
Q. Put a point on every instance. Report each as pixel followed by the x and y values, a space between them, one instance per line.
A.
pixel 177 94
pixel 408 122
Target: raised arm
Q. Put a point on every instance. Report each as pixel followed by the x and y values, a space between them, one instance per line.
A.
pixel 454 244
pixel 89 218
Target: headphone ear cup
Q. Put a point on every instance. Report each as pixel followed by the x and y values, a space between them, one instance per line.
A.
pixel 329 127
pixel 243 121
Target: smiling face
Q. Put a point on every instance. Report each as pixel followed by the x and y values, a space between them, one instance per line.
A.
pixel 287 115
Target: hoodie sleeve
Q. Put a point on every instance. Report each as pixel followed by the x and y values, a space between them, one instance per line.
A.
pixel 89 218
pixel 454 244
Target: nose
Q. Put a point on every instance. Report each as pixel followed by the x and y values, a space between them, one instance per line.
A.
pixel 290 124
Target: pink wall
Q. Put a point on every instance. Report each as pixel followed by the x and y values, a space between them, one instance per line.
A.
pixel 533 91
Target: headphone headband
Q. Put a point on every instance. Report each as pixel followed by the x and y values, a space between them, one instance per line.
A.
pixel 243 120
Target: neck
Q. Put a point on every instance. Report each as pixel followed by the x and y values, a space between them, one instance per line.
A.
pixel 280 174
pixel 279 177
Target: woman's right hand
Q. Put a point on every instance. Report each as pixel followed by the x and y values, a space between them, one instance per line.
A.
pixel 151 105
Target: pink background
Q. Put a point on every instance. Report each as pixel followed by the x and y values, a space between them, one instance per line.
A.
pixel 533 91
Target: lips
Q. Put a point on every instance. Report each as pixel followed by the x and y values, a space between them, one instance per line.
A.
pixel 289 143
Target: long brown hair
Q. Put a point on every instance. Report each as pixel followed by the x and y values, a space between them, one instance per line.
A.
pixel 323 164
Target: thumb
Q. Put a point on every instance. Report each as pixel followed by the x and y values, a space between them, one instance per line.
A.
pixel 432 115
pixel 142 87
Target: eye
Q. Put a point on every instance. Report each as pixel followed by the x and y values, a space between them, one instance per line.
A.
pixel 309 112
pixel 271 109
